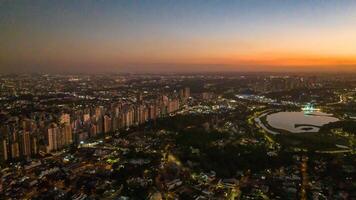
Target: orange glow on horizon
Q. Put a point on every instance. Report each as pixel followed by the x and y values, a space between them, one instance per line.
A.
pixel 287 60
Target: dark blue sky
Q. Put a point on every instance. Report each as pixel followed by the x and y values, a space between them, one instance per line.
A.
pixel 154 35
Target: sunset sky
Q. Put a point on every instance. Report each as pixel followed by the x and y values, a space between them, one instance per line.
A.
pixel 175 36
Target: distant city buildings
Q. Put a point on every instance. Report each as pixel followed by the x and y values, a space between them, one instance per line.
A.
pixel 23 137
pixel 98 137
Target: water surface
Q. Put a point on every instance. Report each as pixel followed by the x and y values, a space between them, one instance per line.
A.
pixel 297 122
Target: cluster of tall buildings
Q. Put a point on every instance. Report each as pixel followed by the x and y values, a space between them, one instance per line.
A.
pixel 281 83
pixel 40 133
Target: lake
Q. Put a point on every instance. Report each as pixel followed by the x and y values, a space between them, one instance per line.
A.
pixel 297 122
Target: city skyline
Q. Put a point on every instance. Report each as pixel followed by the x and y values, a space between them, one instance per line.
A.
pixel 167 36
pixel 191 100
pixel 198 136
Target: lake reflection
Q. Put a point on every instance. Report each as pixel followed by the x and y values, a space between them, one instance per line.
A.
pixel 298 122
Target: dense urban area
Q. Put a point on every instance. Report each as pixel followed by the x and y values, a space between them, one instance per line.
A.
pixel 177 136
